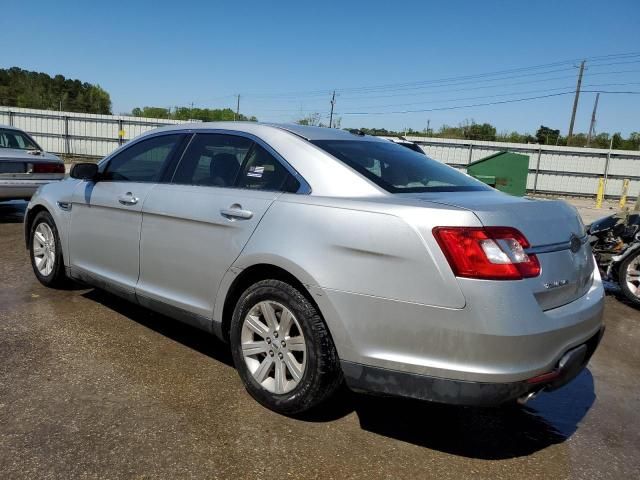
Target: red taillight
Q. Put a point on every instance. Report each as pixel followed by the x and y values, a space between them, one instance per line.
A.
pixel 48 168
pixel 492 253
pixel 545 377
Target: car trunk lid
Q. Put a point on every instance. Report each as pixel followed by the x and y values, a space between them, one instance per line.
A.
pixel 552 227
pixel 17 164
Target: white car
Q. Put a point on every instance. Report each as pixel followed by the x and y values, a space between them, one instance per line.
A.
pixel 24 166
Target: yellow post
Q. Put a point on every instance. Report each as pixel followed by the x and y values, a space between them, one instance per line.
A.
pixel 600 195
pixel 625 191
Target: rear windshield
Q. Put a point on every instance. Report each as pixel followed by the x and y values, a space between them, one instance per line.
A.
pixel 10 138
pixel 398 169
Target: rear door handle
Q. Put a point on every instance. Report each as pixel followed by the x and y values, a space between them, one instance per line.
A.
pixel 128 199
pixel 235 211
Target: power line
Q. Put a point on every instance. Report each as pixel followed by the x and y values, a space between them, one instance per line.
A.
pixel 457 107
pixel 493 96
pixel 460 106
pixel 467 98
pixel 595 61
pixel 395 86
pixel 512 83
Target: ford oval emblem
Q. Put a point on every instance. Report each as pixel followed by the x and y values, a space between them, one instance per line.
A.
pixel 575 243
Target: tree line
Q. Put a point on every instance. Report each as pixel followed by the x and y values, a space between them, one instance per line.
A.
pixel 26 89
pixel 470 130
pixel 186 113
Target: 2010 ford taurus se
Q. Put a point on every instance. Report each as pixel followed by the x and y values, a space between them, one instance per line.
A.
pixel 324 256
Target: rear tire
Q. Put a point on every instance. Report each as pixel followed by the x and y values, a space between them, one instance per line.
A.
pixel 282 348
pixel 45 252
pixel 629 278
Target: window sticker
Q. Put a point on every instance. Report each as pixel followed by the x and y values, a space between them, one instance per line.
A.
pixel 256 172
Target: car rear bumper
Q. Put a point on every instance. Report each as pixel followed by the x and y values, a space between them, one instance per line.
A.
pixel 22 189
pixel 384 381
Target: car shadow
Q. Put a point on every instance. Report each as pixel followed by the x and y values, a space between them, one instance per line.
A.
pixel 482 433
pixel 12 211
pixel 187 335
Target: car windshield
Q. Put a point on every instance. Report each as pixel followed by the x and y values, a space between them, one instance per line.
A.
pixel 398 169
pixel 16 139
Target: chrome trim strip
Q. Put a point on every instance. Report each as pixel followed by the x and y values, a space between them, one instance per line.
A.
pixel 553 247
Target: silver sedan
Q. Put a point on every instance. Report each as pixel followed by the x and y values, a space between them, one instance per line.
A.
pixel 325 257
pixel 24 166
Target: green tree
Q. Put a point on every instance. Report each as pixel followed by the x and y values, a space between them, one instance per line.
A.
pixel 187 113
pixel 476 131
pixel 23 88
pixel 547 136
pixel 151 112
pixel 313 119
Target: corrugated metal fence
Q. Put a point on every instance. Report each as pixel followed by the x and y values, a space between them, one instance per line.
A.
pixel 552 169
pixel 566 170
pixel 79 134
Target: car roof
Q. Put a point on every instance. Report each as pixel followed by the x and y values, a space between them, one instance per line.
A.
pixel 303 131
pixel 9 127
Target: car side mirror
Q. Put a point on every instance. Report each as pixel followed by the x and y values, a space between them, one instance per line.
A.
pixel 84 171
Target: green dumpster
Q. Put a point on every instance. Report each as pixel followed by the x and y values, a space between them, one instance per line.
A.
pixel 505 171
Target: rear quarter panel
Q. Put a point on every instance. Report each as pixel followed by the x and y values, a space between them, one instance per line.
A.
pixel 354 248
pixel 366 249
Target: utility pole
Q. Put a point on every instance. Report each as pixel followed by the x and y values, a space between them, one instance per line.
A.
pixel 428 124
pixel 333 102
pixel 593 120
pixel 237 115
pixel 575 101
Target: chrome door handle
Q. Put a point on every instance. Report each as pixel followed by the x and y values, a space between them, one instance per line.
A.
pixel 236 211
pixel 128 199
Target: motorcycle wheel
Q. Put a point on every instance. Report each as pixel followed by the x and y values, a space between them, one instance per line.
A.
pixel 629 278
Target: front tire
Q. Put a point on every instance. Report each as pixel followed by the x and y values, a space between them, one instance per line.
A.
pixel 629 278
pixel 45 251
pixel 282 348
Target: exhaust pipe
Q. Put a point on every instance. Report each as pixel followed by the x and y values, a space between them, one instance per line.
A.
pixel 525 398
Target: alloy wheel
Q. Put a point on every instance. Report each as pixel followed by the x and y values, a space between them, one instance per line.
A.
pixel 273 347
pixel 44 249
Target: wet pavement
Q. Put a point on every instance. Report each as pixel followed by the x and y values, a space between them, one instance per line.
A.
pixel 93 387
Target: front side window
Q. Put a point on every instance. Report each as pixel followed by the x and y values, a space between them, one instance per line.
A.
pixel 398 169
pixel 212 159
pixel 10 138
pixel 142 162
pixel 262 171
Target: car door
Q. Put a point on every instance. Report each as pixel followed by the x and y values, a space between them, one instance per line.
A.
pixel 104 236
pixel 194 228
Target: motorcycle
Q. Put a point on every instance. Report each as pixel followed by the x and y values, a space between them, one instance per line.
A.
pixel 615 241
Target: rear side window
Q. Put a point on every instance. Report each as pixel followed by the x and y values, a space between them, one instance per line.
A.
pixel 16 139
pixel 398 169
pixel 212 160
pixel 143 161
pixel 262 171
